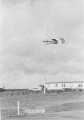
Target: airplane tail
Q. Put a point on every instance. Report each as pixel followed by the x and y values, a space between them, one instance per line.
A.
pixel 62 40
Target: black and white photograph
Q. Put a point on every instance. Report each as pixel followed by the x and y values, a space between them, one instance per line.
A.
pixel 41 59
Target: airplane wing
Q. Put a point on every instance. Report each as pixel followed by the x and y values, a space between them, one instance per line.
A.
pixel 54 40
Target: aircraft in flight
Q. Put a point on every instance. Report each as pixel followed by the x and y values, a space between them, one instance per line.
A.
pixel 54 41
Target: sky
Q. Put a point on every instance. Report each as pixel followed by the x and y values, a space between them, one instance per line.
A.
pixel 25 61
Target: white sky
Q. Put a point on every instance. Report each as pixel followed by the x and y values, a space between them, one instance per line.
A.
pixel 25 61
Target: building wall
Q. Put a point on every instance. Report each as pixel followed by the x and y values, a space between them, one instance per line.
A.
pixel 61 86
pixel 53 86
pixel 83 85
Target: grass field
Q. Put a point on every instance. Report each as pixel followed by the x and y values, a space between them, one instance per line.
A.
pixel 57 106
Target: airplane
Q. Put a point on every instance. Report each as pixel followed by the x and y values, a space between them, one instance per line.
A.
pixel 54 41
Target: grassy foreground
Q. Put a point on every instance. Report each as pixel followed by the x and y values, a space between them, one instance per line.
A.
pixel 57 106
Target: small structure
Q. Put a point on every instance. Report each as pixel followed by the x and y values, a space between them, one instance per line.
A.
pixel 76 85
pixel 34 110
pixel 35 90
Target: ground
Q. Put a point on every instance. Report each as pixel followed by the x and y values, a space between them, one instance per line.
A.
pixel 67 105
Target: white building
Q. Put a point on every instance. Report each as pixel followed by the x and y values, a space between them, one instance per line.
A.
pixel 65 85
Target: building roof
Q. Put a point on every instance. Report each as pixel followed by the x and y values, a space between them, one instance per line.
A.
pixel 65 82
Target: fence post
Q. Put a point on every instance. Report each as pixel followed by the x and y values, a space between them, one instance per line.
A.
pixel 18 108
pixel 0 112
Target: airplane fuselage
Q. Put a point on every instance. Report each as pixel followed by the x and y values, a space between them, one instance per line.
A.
pixel 50 42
